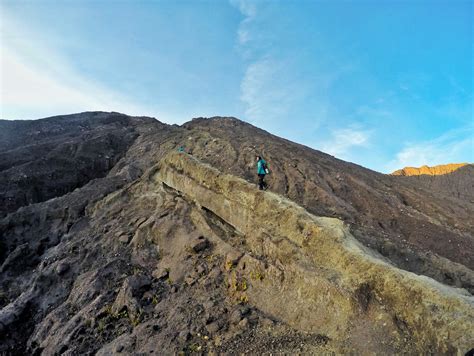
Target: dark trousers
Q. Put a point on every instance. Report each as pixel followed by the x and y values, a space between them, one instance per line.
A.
pixel 261 182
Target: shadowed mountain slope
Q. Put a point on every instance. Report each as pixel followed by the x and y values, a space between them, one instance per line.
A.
pixel 43 159
pixel 451 180
pixel 120 262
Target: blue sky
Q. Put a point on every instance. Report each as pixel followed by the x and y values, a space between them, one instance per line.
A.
pixel 384 84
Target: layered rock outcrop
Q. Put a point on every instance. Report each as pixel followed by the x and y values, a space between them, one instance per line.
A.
pixel 312 273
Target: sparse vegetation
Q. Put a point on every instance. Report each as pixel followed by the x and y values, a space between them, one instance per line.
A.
pixel 194 347
pixel 256 275
pixel 229 265
pixel 239 284
pixel 210 258
pixel 242 286
pixel 136 319
pixel 101 326
pixel 244 298
pixel 111 316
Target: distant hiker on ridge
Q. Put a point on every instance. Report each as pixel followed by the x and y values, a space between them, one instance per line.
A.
pixel 262 170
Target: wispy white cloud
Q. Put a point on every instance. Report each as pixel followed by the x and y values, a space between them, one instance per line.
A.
pixel 270 88
pixel 36 81
pixel 343 140
pixel 276 85
pixel 455 146
pixel 249 10
pixel 264 89
pixel 267 91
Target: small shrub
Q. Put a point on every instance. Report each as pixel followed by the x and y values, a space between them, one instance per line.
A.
pixel 229 265
pixel 244 299
pixel 194 348
pixel 108 310
pixel 256 275
pixel 122 314
pixel 101 326
pixel 210 258
pixel 240 286
pixel 136 320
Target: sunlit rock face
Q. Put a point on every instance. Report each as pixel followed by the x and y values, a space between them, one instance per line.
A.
pixel 431 171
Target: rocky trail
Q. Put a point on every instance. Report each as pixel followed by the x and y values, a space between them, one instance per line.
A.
pixel 160 252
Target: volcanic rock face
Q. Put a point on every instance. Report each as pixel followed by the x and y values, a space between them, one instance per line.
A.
pixel 49 158
pixel 161 252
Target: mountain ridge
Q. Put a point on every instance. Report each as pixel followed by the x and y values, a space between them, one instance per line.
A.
pixel 432 171
pixel 121 263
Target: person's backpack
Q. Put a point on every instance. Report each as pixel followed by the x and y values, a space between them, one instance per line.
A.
pixel 265 168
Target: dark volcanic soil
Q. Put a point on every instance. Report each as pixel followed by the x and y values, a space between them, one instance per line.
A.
pixel 90 260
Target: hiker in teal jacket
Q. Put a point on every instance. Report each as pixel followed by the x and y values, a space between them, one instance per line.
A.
pixel 261 172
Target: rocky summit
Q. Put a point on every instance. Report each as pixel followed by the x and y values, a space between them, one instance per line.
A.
pixel 123 235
